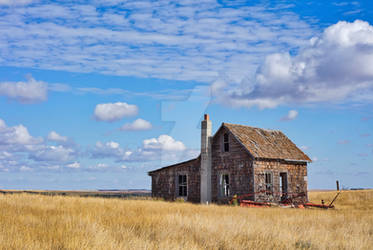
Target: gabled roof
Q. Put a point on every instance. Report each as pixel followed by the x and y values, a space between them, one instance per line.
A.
pixel 260 143
pixel 263 143
pixel 174 165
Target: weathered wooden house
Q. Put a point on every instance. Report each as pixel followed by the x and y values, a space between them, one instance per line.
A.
pixel 238 160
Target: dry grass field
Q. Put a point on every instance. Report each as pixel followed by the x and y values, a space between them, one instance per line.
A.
pixel 58 222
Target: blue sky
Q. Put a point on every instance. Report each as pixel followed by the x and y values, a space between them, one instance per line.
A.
pixel 93 94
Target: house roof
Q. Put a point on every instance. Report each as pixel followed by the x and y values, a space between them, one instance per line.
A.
pixel 260 143
pixel 264 143
pixel 173 165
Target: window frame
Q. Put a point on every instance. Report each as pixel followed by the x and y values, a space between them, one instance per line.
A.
pixel 268 181
pixel 284 183
pixel 224 186
pixel 182 185
pixel 225 147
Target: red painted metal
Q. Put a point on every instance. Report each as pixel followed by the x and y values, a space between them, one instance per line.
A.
pixel 285 203
pixel 246 203
pixel 309 204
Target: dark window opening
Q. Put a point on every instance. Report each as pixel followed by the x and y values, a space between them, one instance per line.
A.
pixel 284 185
pixel 183 187
pixel 268 182
pixel 226 143
pixel 224 185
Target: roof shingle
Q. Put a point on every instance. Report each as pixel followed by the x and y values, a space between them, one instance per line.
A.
pixel 263 143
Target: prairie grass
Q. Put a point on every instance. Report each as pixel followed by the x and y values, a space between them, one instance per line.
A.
pixel 60 222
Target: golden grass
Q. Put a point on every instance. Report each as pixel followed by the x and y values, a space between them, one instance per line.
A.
pixel 45 222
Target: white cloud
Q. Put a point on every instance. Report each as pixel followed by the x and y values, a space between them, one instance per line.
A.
pixel 112 145
pixel 16 136
pixel 114 111
pixel 158 39
pixel 19 135
pixel 163 142
pixel 108 149
pixel 18 147
pixel 53 167
pixel 152 149
pixel 73 165
pixel 292 114
pixel 53 154
pixel 138 124
pixel 25 168
pixel 5 155
pixel 164 94
pixel 101 165
pixel 334 67
pixel 59 87
pixel 25 92
pixel 54 136
pixel 2 124
pixel 164 148
pixel 16 2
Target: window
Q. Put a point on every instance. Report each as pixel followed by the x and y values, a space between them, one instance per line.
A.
pixel 226 143
pixel 284 185
pixel 183 187
pixel 268 181
pixel 224 185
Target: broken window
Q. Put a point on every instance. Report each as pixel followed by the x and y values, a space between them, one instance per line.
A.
pixel 268 182
pixel 226 143
pixel 224 185
pixel 183 187
pixel 284 185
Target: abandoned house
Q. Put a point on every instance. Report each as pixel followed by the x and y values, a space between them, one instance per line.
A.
pixel 238 160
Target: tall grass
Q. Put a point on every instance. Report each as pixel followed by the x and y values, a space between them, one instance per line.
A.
pixel 44 222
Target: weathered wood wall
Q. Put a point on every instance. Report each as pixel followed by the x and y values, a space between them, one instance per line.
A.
pixel 164 181
pixel 296 178
pixel 246 175
pixel 237 163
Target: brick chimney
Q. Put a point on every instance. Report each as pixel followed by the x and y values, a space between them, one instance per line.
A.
pixel 206 128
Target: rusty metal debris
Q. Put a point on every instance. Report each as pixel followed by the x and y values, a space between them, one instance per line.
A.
pixel 243 201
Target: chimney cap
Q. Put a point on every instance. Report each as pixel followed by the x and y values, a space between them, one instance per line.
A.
pixel 206 117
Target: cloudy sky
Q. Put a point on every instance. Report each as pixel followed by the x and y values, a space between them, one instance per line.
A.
pixel 93 94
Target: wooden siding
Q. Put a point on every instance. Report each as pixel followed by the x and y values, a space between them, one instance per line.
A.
pixel 237 163
pixel 296 178
pixel 164 182
pixel 246 174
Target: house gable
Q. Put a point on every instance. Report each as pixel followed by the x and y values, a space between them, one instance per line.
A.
pixel 236 165
pixel 267 144
pixel 217 139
